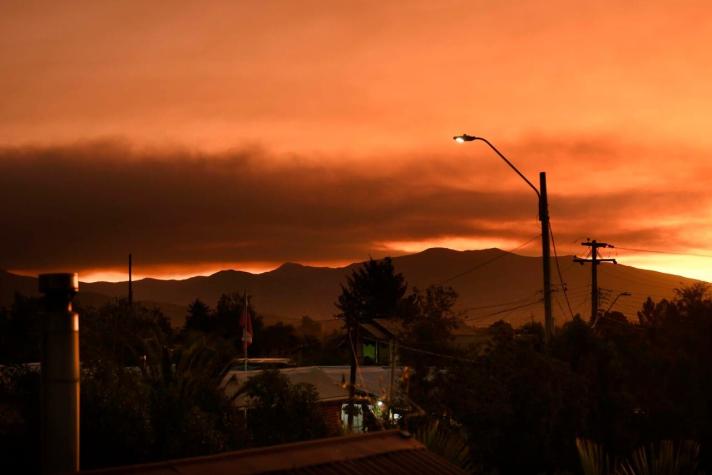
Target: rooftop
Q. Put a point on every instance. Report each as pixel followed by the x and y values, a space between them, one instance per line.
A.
pixel 388 453
pixel 329 381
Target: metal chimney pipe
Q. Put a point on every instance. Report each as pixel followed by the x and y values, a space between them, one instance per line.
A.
pixel 60 374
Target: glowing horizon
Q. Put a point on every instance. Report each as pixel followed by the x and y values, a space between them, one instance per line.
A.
pixel 691 267
pixel 200 136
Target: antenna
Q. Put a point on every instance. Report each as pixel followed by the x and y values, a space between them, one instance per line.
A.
pixel 130 282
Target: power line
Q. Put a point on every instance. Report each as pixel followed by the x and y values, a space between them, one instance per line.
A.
pixel 441 355
pixel 584 300
pixel 558 270
pixel 642 293
pixel 506 310
pixel 488 261
pixel 620 273
pixel 654 251
pixel 513 302
pixel 578 291
pixel 561 307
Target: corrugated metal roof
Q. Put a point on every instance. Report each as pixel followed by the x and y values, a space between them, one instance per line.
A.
pixel 411 462
pixel 327 388
pixel 388 453
pixel 374 331
pixel 393 326
pixel 329 381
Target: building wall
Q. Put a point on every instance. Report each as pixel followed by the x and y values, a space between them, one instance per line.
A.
pixel 332 415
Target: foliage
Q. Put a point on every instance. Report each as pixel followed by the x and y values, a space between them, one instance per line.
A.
pixel 226 317
pixel 282 412
pixel 308 327
pixel 520 405
pixel 664 458
pixel 120 333
pixel 199 317
pixel 115 408
pixel 594 459
pixel 334 349
pixel 520 408
pixel 428 323
pixel 624 385
pixel 19 419
pixel 20 331
pixel 430 317
pixel 373 290
pixel 279 340
pixel 142 399
pixel 446 441
pixel 170 406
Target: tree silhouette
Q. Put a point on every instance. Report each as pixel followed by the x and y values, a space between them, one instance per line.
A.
pixel 199 317
pixel 282 411
pixel 373 290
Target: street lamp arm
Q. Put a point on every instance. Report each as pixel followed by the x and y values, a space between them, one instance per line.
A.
pixel 511 165
pixel 622 294
pixel 544 218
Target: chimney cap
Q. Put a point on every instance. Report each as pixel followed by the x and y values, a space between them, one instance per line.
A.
pixel 60 283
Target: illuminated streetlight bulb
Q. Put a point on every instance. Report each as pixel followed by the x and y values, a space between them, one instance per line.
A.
pixel 464 138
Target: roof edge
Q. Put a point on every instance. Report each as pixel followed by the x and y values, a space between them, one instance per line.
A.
pixel 295 455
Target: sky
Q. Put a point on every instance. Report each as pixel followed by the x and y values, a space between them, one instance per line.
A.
pixel 208 135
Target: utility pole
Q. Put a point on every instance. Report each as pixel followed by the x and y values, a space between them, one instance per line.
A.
pixel 595 261
pixel 546 257
pixel 130 282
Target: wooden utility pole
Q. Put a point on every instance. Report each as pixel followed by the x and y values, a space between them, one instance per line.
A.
pixel 393 350
pixel 595 261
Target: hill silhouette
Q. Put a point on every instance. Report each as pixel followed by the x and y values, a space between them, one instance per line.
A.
pixel 492 284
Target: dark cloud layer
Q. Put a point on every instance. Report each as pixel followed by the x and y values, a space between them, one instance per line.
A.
pixel 86 206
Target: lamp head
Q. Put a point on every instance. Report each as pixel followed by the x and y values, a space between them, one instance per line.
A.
pixel 463 138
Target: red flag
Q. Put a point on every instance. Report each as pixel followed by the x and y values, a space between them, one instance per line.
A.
pixel 246 324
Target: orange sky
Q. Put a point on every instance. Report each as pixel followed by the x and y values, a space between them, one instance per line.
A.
pixel 357 102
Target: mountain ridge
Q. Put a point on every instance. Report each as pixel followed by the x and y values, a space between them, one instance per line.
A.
pixel 487 278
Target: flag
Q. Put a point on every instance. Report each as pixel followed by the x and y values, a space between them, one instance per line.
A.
pixel 246 324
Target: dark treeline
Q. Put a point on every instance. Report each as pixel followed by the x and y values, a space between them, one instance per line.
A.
pixel 150 392
pixel 623 385
pixel 520 406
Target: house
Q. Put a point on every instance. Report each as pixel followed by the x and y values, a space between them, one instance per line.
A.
pixel 372 389
pixel 379 335
pixel 377 339
pixel 387 452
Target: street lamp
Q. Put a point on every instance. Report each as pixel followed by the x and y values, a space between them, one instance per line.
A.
pixel 598 317
pixel 543 217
